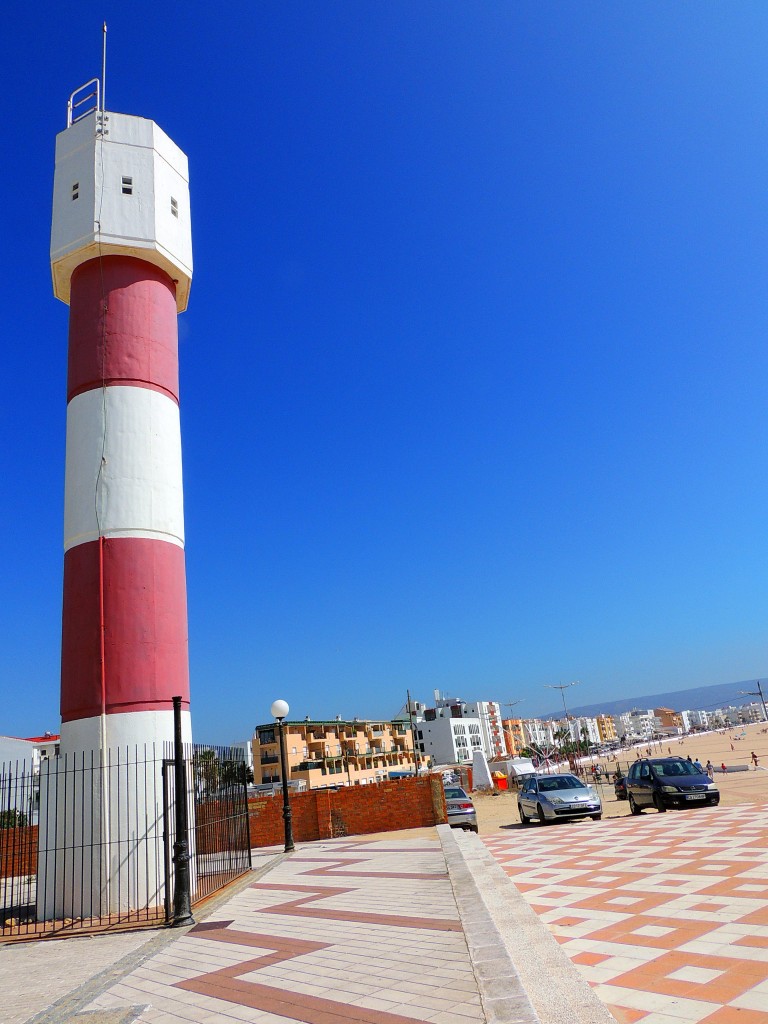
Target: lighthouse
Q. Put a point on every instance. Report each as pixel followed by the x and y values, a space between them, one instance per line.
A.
pixel 121 258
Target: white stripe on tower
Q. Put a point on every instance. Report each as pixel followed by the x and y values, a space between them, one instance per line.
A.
pixel 124 450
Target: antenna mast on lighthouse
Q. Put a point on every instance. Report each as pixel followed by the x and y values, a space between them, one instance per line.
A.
pixel 104 67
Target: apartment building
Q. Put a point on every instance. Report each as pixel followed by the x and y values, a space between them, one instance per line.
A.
pixel 581 729
pixel 448 736
pixel 491 730
pixel 539 733
pixel 454 728
pixel 606 728
pixel 334 753
pixel 514 734
pixel 638 725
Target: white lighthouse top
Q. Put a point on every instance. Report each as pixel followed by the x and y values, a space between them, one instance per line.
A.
pixel 121 187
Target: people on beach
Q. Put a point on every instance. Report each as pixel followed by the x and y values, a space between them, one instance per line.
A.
pixel 755 759
pixel 710 769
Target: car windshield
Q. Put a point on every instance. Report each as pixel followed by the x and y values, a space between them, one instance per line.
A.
pixel 679 767
pixel 455 793
pixel 552 782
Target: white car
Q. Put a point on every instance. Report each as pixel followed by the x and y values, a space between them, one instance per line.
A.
pixel 461 810
pixel 557 797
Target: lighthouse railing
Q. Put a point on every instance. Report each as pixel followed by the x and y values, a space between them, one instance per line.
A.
pixel 84 837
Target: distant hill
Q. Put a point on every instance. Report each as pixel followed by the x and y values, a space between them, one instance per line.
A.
pixel 701 698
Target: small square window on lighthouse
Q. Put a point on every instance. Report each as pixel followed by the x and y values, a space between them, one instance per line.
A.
pixel 174 207
pixel 127 185
pixel 76 190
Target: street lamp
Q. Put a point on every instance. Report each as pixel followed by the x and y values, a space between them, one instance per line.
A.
pixel 562 687
pixel 279 711
pixel 757 693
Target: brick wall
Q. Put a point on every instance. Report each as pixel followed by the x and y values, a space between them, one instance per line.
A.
pixel 18 851
pixel 350 811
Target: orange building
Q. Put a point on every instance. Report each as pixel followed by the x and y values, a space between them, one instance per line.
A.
pixel 333 753
pixel 514 734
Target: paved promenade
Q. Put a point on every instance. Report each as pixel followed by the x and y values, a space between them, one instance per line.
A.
pixel 372 930
pixel 661 919
pixel 666 915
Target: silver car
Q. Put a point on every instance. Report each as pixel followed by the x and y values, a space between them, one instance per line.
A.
pixel 461 810
pixel 556 797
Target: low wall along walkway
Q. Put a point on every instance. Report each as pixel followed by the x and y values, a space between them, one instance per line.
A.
pixel 350 811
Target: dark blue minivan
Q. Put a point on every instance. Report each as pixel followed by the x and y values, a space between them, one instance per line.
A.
pixel 664 782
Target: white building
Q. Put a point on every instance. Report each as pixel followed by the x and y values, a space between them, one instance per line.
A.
pixel 489 713
pixel 539 733
pixel 637 725
pixel 582 729
pixel 447 734
pixel 698 720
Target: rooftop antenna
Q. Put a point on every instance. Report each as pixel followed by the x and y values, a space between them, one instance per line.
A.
pixel 104 67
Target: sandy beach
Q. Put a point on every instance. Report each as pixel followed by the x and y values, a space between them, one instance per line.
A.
pixel 732 748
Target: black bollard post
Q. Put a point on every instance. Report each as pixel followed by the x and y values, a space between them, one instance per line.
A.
pixel 182 897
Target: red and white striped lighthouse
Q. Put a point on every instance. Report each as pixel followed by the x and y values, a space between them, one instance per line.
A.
pixel 121 256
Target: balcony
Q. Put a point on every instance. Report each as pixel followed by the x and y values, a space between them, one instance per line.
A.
pixel 269 759
pixel 307 766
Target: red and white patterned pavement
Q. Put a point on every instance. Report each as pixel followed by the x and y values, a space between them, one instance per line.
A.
pixel 342 932
pixel 666 915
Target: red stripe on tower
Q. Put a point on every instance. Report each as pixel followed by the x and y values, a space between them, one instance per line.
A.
pixel 124 630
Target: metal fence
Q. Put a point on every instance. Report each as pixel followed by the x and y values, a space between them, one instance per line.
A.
pixel 222 839
pixel 86 841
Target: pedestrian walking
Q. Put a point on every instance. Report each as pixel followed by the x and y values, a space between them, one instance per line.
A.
pixel 710 770
pixel 755 759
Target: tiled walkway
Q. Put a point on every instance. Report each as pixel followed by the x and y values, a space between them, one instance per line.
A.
pixel 665 914
pixel 341 931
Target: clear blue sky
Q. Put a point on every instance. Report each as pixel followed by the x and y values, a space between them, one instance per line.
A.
pixel 474 369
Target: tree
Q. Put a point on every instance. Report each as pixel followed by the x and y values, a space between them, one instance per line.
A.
pixel 13 818
pixel 207 770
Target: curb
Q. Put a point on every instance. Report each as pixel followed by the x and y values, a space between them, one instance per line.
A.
pixel 509 944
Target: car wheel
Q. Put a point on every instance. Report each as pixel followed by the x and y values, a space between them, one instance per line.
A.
pixel 524 819
pixel 473 828
pixel 596 817
pixel 633 806
pixel 658 803
pixel 540 812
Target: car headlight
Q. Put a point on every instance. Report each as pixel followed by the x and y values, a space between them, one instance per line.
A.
pixel 712 787
pixel 556 800
pixel 669 789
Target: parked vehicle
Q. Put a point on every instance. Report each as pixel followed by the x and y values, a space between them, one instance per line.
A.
pixel 620 787
pixel 556 797
pixel 664 782
pixel 461 810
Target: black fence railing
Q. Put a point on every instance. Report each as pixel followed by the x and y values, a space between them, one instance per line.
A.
pixel 222 840
pixel 86 840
